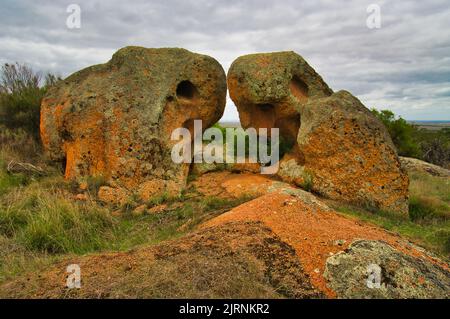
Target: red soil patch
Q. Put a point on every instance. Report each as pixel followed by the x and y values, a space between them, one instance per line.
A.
pixel 311 230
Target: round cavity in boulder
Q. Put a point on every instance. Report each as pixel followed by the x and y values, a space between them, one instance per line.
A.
pixel 299 89
pixel 186 91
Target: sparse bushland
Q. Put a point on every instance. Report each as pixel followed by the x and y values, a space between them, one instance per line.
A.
pixel 21 93
pixel 401 133
pixel 428 222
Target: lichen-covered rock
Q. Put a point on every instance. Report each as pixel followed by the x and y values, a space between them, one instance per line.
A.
pixel 349 154
pixel 401 276
pixel 416 165
pixel 116 119
pixel 268 89
pixel 339 149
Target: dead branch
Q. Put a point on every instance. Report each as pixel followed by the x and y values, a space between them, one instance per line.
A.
pixel 26 168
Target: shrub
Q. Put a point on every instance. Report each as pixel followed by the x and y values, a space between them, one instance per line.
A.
pixel 401 133
pixel 436 150
pixel 19 145
pixel 21 94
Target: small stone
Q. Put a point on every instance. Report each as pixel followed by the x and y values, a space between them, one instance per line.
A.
pixel 339 242
pixel 113 196
pixel 157 209
pixel 81 197
pixel 116 213
pixel 83 186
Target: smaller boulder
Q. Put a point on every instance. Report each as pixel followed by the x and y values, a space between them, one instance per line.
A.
pixel 400 275
pixel 348 155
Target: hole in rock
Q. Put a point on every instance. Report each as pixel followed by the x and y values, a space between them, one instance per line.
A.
pixel 186 90
pixel 299 89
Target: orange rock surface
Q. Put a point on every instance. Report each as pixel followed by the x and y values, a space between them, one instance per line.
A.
pixel 337 147
pixel 315 231
pixel 115 120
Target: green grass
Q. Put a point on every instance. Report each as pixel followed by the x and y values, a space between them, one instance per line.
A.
pixel 435 236
pixel 8 182
pixel 41 222
pixel 428 222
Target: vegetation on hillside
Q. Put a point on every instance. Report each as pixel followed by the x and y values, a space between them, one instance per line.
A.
pixel 21 93
pixel 427 145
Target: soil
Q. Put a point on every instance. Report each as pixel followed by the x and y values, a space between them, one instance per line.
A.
pixel 237 260
pixel 314 233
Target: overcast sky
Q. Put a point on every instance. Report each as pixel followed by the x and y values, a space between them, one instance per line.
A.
pixel 403 66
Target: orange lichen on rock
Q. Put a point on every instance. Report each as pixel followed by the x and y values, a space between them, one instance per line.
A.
pixel 350 155
pixel 115 120
pixel 315 231
pixel 339 148
pixel 229 185
pixel 268 88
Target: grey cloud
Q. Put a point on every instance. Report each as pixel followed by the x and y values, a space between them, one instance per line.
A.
pixel 405 65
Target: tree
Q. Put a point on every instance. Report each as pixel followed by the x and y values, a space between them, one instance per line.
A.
pixel 401 133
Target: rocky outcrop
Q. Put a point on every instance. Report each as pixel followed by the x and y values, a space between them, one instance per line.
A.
pixel 338 148
pixel 322 239
pixel 116 119
pixel 399 275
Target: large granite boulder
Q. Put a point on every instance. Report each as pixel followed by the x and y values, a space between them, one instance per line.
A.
pixel 338 148
pixel 116 119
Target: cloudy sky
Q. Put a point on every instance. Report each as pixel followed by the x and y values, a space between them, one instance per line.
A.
pixel 403 66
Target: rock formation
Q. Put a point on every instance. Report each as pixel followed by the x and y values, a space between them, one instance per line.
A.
pixel 401 276
pixel 269 88
pixel 415 165
pixel 350 155
pixel 340 150
pixel 116 119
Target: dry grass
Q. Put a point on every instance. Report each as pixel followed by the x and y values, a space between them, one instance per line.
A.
pixel 40 220
pixel 239 260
